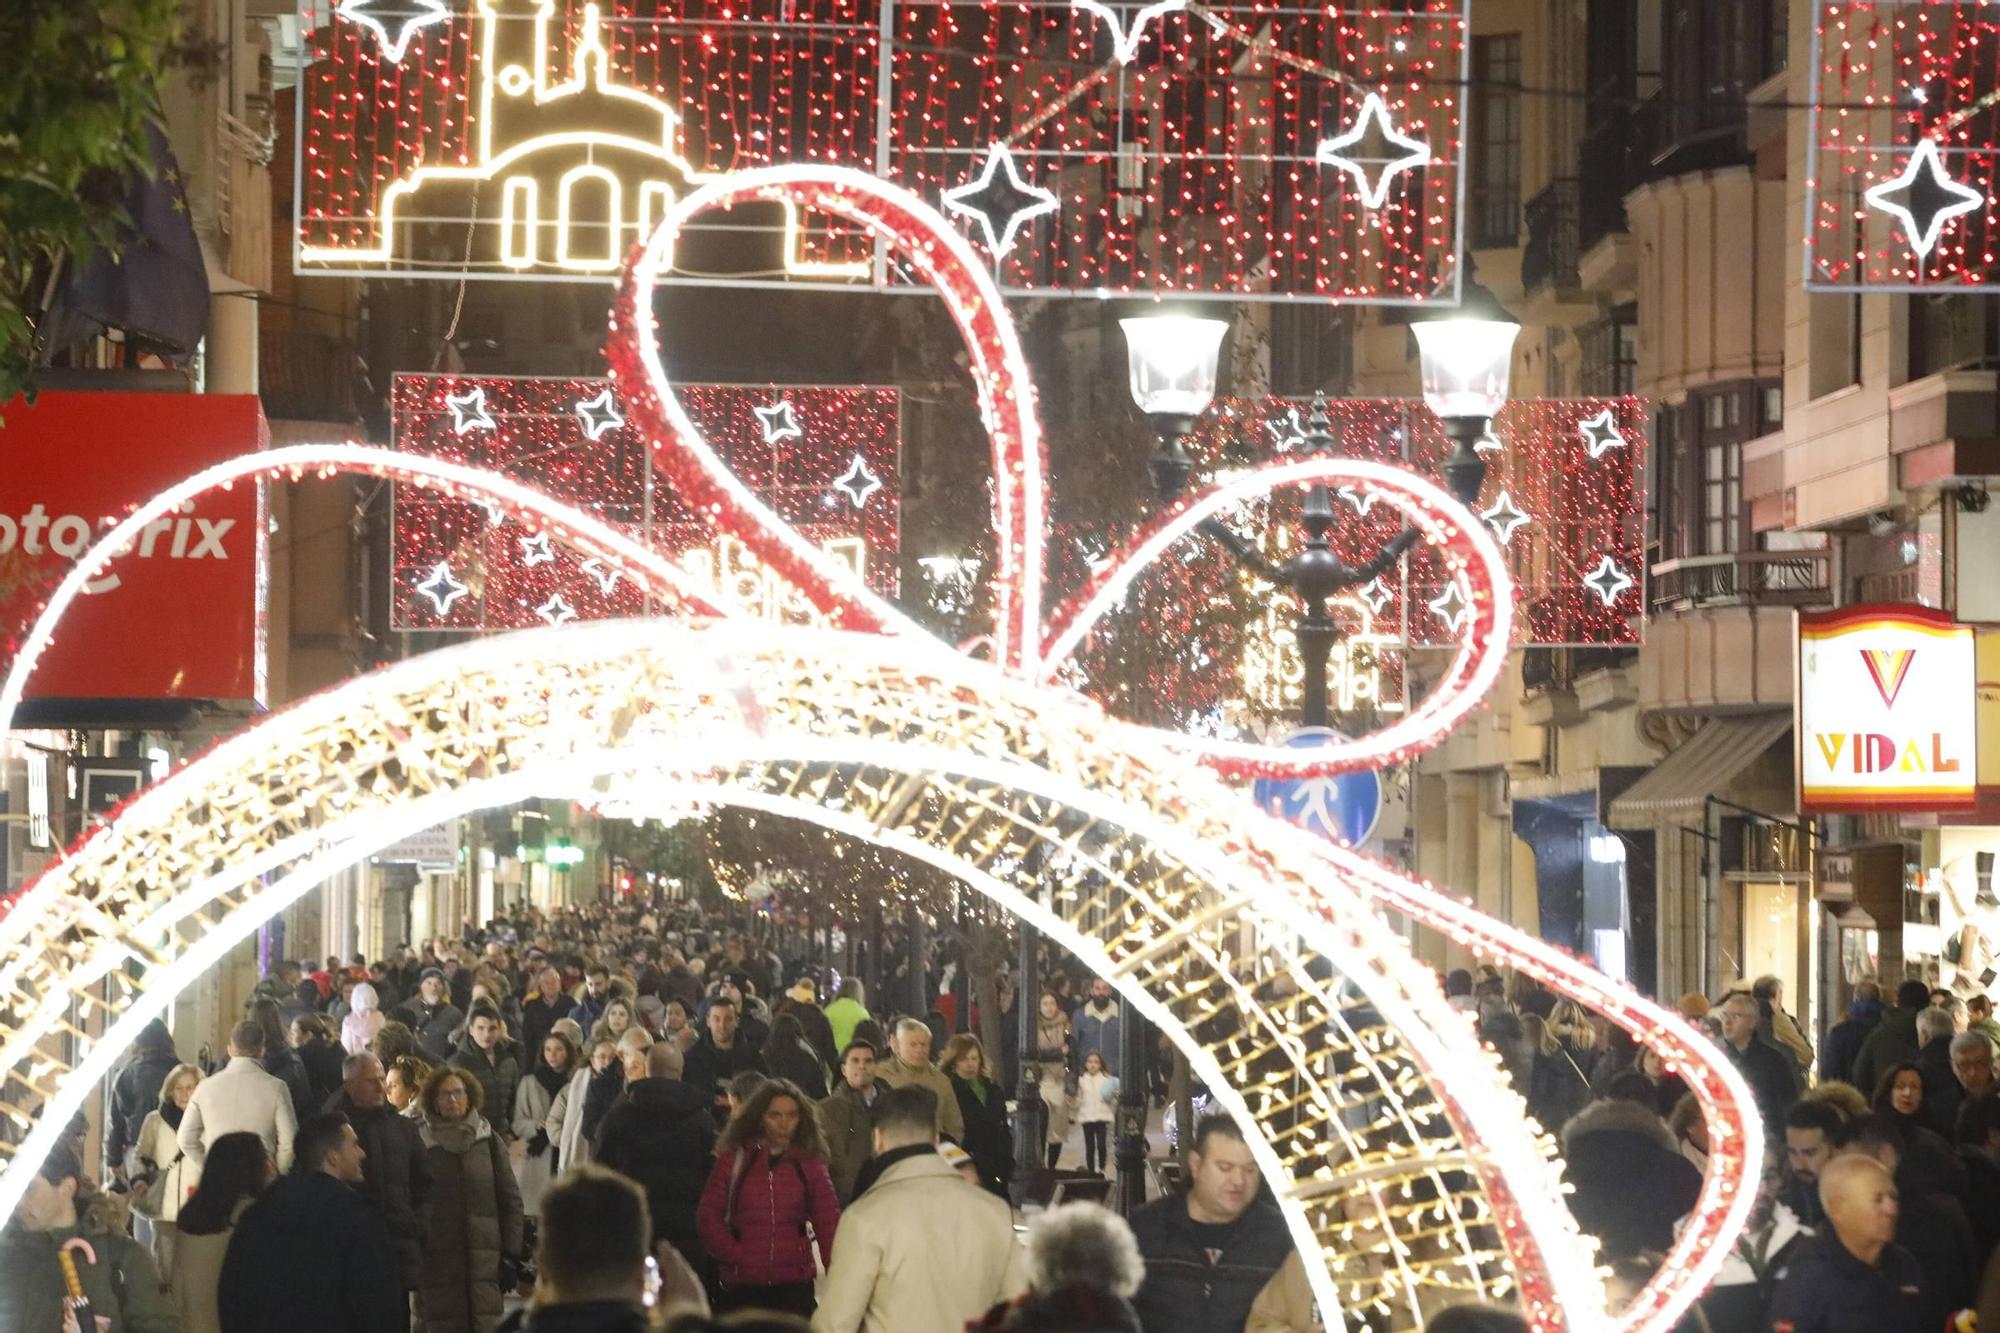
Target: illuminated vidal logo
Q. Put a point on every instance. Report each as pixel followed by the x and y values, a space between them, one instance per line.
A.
pixel 1875 752
pixel 564 177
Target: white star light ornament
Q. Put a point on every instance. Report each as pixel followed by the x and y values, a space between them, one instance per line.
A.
pixel 858 483
pixel 535 550
pixel 599 415
pixel 1924 172
pixel 1505 518
pixel 1600 434
pixel 401 21
pixel 1451 607
pixel 1125 41
pixel 468 411
pixel 442 589
pixel 1287 433
pixel 1362 500
pixel 1337 152
pixel 1000 201
pixel 1607 580
pixel 556 611
pixel 1377 595
pixel 607 576
pixel 778 422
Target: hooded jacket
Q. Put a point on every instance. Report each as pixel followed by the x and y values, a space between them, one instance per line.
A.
pixel 364 1019
pixel 660 1136
pixel 1631 1182
pixel 135 1093
pixel 311 1255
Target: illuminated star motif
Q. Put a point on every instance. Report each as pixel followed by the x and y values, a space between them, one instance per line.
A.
pixel 999 196
pixel 393 34
pixel 858 483
pixel 1334 152
pixel 607 576
pixel 442 589
pixel 1607 580
pixel 556 611
pixel 1362 500
pixel 1377 595
pixel 778 422
pixel 495 514
pixel 1600 434
pixel 598 415
pixel 468 411
pixel 1450 606
pixel 1505 518
pixel 1287 433
pixel 1125 41
pixel 1924 198
pixel 535 550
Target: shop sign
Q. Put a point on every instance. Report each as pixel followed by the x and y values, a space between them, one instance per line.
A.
pixel 1887 710
pixel 180 614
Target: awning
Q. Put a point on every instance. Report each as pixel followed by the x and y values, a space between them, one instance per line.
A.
pixel 1705 765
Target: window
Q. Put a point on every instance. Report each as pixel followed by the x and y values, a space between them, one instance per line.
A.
pixel 1494 142
pixel 1722 497
pixel 1952 331
pixel 1611 353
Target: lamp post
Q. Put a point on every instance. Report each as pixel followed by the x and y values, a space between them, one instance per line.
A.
pixel 1466 359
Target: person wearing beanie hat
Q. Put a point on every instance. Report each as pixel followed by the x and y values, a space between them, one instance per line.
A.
pixel 135 1093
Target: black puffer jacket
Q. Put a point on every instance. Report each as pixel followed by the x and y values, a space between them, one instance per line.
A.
pixel 1631 1184
pixel 397 1178
pixel 660 1136
pixel 313 1256
pixel 136 1091
pixel 1201 1278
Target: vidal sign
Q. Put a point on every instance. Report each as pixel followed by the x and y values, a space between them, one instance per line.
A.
pixel 1887 707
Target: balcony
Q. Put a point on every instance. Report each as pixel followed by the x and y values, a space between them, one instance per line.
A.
pixel 1747 578
pixel 306 376
pixel 1549 260
pixel 1615 157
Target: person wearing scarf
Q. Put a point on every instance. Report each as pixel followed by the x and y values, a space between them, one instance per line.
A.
pixel 534 1098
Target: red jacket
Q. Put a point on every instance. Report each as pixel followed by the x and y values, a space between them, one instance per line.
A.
pixel 760 1241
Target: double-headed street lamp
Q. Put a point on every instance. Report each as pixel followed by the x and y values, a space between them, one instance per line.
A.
pixel 1465 359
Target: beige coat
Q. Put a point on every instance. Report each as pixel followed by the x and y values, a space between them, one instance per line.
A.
pixel 951 1121
pixel 197 1273
pixel 1286 1303
pixel 921 1250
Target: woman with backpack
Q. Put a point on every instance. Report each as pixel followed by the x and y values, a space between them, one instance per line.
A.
pixel 768 1214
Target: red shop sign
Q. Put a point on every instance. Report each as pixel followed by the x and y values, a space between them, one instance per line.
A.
pixel 181 614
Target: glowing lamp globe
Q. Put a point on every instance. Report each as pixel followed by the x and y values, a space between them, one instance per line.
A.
pixel 1173 361
pixel 1466 363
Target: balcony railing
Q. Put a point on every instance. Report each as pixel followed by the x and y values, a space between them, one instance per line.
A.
pixel 1550 257
pixel 1789 578
pixel 304 376
pixel 1616 158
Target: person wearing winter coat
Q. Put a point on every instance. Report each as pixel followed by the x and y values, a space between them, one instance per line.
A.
pixel 475 1239
pixel 396 1173
pixel 1096 1024
pixel 135 1092
pixel 1630 1180
pixel 802 1003
pixel 61 1212
pixel 1843 1040
pixel 364 1019
pixel 238 1171
pixel 162 1177
pixel 849 1010
pixel 280 1061
pixel 661 1136
pixel 909 1063
pixel 319 1054
pixel 721 1053
pixel 432 1016
pixel 768 1213
pixel 599 1081
pixel 241 1096
pixel 982 1105
pixel 1050 1061
pixel 1096 1107
pixel 788 1055
pixel 534 1098
pixel 845 1117
pixel 1211 1251
pixel 541 1010
pixel 311 1255
pixel 921 1248
pixel 485 1056
pixel 1084 1267
pixel 1894 1037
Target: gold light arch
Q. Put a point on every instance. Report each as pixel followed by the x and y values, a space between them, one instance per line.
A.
pixel 1394 1146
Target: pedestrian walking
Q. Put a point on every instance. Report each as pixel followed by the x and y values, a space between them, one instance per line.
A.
pixel 135 1092
pixel 1212 1250
pixel 237 1172
pixel 845 1118
pixel 474 1241
pixel 484 1054
pixel 62 1225
pixel 788 1055
pixel 241 1096
pixel 1050 1065
pixel 661 1136
pixel 161 1175
pixel 364 1018
pixel 395 1173
pixel 982 1105
pixel 909 1065
pixel 592 1257
pixel 534 1099
pixel 1096 1105
pixel 1084 1267
pixel 769 1212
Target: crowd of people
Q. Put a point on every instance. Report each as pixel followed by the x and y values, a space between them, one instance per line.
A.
pixel 464 1136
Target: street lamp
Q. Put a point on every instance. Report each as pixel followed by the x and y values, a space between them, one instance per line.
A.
pixel 1466 359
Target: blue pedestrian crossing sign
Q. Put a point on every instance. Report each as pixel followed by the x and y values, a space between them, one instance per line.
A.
pixel 1340 809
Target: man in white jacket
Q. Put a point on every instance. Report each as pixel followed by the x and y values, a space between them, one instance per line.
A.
pixel 241 1097
pixel 919 1249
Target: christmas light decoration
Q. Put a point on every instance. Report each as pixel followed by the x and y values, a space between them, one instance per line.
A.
pixel 1451 606
pixel 543 441
pixel 1373 186
pixel 1608 580
pixel 858 483
pixel 468 412
pixel 1903 148
pixel 576 133
pixel 1504 517
pixel 443 589
pixel 999 200
pixel 777 422
pixel 556 611
pixel 395 44
pixel 1600 435
pixel 599 415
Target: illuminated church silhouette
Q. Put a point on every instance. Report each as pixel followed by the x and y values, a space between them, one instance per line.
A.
pixel 564 178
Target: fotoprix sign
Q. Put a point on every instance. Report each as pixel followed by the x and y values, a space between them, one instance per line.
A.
pixel 1887 710
pixel 180 614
